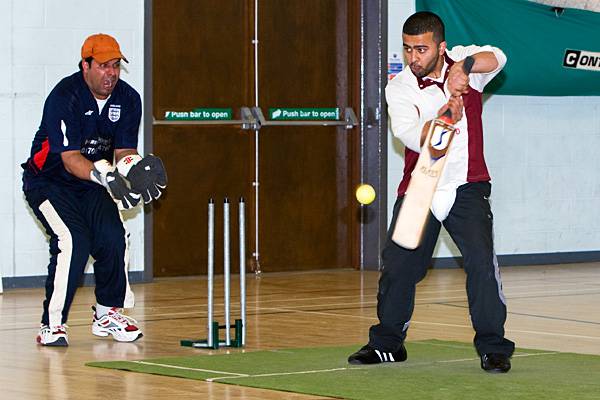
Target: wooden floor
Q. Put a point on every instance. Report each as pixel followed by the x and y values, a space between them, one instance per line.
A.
pixel 550 307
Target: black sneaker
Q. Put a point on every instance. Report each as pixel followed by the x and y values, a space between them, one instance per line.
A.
pixel 369 355
pixel 495 362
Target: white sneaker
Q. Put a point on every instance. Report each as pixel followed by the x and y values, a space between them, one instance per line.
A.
pixel 55 336
pixel 120 326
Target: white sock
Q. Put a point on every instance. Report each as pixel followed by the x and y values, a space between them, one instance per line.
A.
pixel 102 310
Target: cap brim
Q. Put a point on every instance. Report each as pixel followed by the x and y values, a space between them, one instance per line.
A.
pixel 104 57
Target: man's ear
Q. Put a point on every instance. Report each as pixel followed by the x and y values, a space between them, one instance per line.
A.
pixel 85 66
pixel 442 47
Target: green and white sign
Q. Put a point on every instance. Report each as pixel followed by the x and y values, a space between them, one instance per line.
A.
pixel 200 114
pixel 294 114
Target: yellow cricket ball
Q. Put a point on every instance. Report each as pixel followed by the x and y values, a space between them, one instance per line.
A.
pixel 365 194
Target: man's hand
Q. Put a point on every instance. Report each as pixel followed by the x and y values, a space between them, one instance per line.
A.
pixel 105 175
pixel 458 81
pixel 455 105
pixel 146 175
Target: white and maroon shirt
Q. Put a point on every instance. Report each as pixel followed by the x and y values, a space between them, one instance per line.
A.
pixel 413 101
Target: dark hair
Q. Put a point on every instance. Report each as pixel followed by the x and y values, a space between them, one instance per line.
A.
pixel 423 22
pixel 87 60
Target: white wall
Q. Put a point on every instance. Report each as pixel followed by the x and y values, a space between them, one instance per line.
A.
pixel 40 43
pixel 542 155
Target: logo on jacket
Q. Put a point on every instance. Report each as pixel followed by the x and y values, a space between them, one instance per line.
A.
pixel 97 146
pixel 114 112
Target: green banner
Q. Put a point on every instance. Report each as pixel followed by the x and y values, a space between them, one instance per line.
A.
pixel 551 52
pixel 200 114
pixel 290 114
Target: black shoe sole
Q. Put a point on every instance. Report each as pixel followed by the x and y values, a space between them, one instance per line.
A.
pixel 496 370
pixel 358 362
pixel 60 342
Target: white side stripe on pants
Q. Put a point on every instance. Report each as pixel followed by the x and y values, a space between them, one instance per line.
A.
pixel 129 300
pixel 63 263
pixel 498 279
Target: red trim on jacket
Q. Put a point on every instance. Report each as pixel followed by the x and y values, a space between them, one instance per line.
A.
pixel 39 158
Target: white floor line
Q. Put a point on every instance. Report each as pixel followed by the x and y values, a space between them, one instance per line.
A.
pixel 449 346
pixel 330 314
pixel 547 353
pixel 514 356
pixel 316 371
pixel 363 367
pixel 454 346
pixel 201 313
pixel 554 334
pixel 373 318
pixel 189 369
pixel 508 291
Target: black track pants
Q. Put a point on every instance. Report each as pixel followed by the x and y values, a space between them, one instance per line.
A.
pixel 470 226
pixel 81 223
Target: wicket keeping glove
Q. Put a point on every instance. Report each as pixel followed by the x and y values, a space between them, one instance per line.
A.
pixel 146 175
pixel 106 175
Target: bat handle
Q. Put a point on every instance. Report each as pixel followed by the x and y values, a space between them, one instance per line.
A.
pixel 467 66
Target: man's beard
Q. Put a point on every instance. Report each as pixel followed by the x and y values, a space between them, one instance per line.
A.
pixel 424 71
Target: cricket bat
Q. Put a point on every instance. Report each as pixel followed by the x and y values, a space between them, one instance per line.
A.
pixel 414 212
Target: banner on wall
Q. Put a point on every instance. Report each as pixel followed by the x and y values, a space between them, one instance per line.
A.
pixel 550 52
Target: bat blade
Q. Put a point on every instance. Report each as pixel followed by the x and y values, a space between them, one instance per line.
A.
pixel 414 212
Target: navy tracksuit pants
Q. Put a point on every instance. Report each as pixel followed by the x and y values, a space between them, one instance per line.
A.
pixel 470 226
pixel 80 223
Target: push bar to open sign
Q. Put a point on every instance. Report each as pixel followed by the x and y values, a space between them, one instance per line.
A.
pixel 254 118
pixel 209 116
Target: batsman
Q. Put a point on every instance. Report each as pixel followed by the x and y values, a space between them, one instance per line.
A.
pixel 83 168
pixel 434 83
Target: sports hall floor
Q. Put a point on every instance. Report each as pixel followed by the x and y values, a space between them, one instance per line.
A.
pixel 552 307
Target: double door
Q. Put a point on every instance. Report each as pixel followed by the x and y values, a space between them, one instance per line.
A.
pixel 297 180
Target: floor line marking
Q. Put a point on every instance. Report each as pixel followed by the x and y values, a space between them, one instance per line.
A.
pixel 508 292
pixel 188 368
pixel 316 371
pixel 432 323
pixel 364 367
pixel 514 356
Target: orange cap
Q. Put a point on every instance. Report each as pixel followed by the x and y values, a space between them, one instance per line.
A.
pixel 102 48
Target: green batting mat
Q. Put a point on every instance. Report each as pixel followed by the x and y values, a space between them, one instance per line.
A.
pixel 434 370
